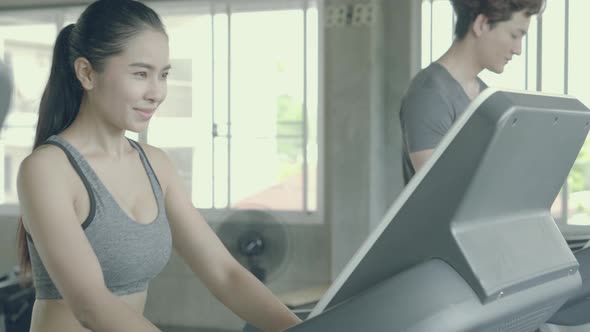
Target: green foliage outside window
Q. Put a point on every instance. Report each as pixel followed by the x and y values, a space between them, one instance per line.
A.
pixel 577 178
pixel 577 181
pixel 289 135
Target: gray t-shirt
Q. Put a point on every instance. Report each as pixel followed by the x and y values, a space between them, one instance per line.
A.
pixel 432 103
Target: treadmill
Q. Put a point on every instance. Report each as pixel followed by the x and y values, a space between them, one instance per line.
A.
pixel 470 243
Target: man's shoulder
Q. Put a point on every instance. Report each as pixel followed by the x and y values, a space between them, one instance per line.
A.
pixel 431 78
pixel 427 87
pixel 427 96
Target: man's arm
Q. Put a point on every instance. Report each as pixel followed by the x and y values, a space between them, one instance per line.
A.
pixel 419 158
pixel 425 117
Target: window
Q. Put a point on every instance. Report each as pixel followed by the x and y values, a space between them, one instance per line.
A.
pixel 241 117
pixel 547 64
pixel 243 106
pixel 26 46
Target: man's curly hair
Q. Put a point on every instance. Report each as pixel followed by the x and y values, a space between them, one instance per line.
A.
pixel 495 10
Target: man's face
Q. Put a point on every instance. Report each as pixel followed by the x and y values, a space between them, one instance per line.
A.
pixel 498 43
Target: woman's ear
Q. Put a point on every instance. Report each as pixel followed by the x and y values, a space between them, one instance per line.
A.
pixel 480 25
pixel 84 73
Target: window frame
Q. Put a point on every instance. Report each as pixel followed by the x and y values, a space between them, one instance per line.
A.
pixel 58 15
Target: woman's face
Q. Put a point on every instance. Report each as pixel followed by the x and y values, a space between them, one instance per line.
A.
pixel 133 84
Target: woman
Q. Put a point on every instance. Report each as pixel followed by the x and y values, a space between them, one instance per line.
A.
pixel 100 213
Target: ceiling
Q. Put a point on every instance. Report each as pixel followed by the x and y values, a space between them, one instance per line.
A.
pixel 13 4
pixel 20 4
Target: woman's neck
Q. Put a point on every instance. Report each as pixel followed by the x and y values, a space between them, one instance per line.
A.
pixel 93 135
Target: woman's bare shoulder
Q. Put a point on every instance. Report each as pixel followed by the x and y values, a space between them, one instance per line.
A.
pixel 44 182
pixel 46 162
pixel 154 154
pixel 161 163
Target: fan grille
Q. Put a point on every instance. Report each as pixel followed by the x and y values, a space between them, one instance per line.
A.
pixel 257 240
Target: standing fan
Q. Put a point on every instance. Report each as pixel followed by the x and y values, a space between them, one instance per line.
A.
pixel 258 241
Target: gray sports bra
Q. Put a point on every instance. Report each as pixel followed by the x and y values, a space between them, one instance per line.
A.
pixel 130 254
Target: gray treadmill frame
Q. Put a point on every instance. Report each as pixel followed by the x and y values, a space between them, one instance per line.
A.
pixel 488 217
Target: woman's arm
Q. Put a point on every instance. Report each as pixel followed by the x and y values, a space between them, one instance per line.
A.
pixel 48 213
pixel 200 247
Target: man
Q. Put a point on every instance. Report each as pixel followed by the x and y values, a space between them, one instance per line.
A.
pixel 488 33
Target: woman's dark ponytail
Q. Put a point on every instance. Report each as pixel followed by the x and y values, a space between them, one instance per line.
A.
pixel 61 99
